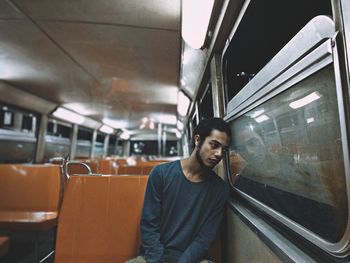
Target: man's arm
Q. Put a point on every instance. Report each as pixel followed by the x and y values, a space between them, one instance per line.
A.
pixel 150 221
pixel 201 243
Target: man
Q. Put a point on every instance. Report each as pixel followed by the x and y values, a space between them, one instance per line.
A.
pixel 279 169
pixel 185 200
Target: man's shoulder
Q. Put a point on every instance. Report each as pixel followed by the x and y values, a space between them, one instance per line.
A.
pixel 166 165
pixel 165 168
pixel 219 182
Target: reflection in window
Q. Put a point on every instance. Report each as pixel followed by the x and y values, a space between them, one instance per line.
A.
pixel 291 160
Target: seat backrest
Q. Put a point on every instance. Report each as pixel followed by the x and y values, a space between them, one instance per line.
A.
pixel 30 188
pixel 99 219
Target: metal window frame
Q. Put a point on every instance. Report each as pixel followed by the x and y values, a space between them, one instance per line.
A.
pixel 308 52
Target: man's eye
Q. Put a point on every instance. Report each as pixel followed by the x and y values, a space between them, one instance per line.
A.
pixel 214 145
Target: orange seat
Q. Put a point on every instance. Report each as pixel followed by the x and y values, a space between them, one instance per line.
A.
pixel 99 219
pixel 29 196
pixel 4 245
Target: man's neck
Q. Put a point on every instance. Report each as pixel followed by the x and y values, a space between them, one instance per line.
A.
pixel 193 170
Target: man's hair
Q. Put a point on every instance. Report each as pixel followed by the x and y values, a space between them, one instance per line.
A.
pixel 206 126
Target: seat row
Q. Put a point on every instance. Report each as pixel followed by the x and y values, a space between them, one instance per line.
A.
pixel 97 217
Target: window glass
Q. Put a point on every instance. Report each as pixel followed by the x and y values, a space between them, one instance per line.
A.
pixel 287 154
pixel 144 148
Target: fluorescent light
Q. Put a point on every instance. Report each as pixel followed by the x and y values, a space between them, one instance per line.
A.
pixel 309 120
pixel 68 115
pixel 304 101
pixel 125 135
pixel 114 123
pixel 196 15
pixel 183 102
pixel 257 113
pixel 180 125
pixel 178 134
pixel 167 119
pixel 106 129
pixel 80 108
pixel 262 118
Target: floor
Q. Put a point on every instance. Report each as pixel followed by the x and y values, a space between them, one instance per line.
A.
pixel 22 247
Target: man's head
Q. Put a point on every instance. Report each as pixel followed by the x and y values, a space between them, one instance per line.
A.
pixel 211 138
pixel 248 141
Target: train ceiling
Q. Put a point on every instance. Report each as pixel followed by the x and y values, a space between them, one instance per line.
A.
pixel 116 59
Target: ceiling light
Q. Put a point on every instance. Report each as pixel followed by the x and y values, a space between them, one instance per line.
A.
pixel 180 125
pixel 196 15
pixel 257 113
pixel 68 115
pixel 114 123
pixel 167 119
pixel 262 118
pixel 106 129
pixel 125 135
pixel 183 102
pixel 304 101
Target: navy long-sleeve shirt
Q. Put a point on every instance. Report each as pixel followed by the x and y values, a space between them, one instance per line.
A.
pixel 180 218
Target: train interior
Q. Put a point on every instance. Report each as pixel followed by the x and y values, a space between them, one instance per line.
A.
pixel 95 94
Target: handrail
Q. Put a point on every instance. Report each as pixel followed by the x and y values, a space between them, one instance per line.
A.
pixel 76 162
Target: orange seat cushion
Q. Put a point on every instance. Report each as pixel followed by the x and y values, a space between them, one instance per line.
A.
pixel 99 220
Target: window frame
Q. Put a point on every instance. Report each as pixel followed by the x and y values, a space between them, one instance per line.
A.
pixel 281 73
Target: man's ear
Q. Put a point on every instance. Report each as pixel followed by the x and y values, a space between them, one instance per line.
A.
pixel 197 140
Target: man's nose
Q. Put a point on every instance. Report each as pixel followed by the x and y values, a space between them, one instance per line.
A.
pixel 219 152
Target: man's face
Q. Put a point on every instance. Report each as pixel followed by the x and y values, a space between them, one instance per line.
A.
pixel 251 147
pixel 210 151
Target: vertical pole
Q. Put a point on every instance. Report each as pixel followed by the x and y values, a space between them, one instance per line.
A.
pixel 40 147
pixel 74 142
pixel 105 146
pixel 217 86
pixel 93 143
pixel 160 128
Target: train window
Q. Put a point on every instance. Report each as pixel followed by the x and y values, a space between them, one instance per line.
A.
pixel 112 145
pixel 57 139
pixel 99 145
pixel 253 44
pixel 28 123
pixel 287 153
pixel 58 129
pixel 17 135
pixel 83 149
pixel 6 118
pixel 84 134
pixel 171 148
pixel 144 147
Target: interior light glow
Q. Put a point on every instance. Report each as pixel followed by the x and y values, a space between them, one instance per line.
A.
pixel 125 135
pixel 257 113
pixel 68 115
pixel 178 134
pixel 80 108
pixel 106 129
pixel 309 120
pixel 262 118
pixel 304 101
pixel 167 119
pixel 114 123
pixel 196 15
pixel 183 102
pixel 180 125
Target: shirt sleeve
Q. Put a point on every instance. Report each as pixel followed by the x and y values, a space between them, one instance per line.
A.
pixel 201 243
pixel 150 220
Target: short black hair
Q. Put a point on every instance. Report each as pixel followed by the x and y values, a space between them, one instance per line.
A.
pixel 206 126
